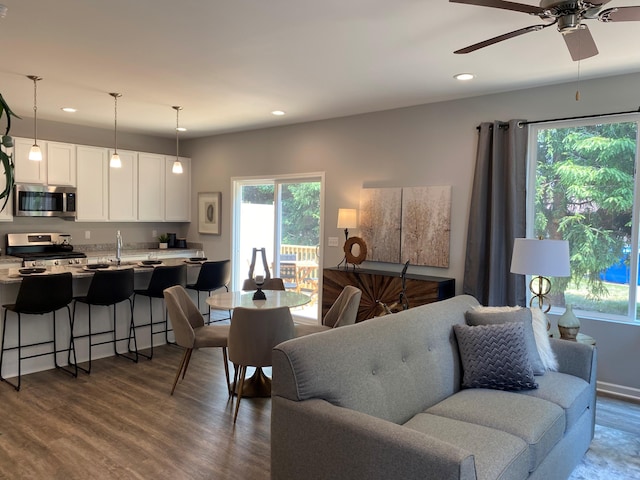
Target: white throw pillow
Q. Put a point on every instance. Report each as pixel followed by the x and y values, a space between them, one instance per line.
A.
pixel 539 320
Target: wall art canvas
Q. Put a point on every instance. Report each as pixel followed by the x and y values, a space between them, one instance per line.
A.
pixel 426 225
pixel 380 216
pixel 209 214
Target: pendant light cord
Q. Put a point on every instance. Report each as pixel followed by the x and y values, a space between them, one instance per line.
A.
pixel 115 122
pixel 35 79
pixel 177 132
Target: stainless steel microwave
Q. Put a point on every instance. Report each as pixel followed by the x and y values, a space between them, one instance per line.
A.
pixel 44 201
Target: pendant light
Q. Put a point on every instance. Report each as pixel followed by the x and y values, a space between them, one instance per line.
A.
pixel 177 165
pixel 115 161
pixel 35 153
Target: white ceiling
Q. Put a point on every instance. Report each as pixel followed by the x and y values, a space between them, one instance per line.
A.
pixel 230 63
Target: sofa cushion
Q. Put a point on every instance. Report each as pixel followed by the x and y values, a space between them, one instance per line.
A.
pixel 538 422
pixel 496 315
pixel 494 356
pixel 571 393
pixel 497 455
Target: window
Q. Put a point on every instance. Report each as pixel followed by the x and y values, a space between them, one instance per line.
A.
pixel 582 188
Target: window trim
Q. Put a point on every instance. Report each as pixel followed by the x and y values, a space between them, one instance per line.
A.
pixel 532 149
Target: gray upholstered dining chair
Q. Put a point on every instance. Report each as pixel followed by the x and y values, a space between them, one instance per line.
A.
pixel 190 331
pixel 252 335
pixel 343 312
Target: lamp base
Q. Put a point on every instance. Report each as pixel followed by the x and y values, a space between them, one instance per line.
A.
pixel 259 295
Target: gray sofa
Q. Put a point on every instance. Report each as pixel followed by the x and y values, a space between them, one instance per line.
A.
pixel 382 400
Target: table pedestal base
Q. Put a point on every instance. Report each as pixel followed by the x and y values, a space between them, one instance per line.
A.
pixel 257 385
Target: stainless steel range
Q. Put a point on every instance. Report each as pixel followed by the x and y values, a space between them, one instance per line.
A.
pixel 43 249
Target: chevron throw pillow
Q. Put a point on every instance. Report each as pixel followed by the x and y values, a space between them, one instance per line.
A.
pixel 495 356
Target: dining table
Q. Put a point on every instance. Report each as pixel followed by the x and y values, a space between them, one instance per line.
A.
pixel 259 384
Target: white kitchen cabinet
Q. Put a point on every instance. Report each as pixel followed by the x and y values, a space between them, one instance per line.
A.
pixel 29 171
pixel 123 188
pixel 177 203
pixel 151 187
pixel 92 183
pixel 61 164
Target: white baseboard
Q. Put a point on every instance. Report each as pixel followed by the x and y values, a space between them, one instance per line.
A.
pixel 619 391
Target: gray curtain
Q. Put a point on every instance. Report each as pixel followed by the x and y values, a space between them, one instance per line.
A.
pixel 497 215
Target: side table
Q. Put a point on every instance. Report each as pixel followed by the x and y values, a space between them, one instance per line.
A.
pixel 581 338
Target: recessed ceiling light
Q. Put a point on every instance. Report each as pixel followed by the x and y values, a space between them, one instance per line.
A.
pixel 181 129
pixel 69 109
pixel 464 76
pixel 277 113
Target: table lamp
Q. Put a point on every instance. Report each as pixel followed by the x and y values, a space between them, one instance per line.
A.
pixel 347 218
pixel 541 259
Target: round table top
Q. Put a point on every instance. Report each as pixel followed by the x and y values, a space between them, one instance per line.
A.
pixel 275 298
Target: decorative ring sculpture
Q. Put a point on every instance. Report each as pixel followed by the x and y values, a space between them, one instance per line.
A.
pixel 348 246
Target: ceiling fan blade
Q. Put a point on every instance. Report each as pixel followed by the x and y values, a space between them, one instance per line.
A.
pixel 518 7
pixel 580 43
pixel 620 14
pixel 500 38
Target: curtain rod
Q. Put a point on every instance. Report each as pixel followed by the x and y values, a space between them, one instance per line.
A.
pixel 533 122
pixel 522 124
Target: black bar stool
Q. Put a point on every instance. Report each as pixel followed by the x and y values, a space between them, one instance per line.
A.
pixel 38 295
pixel 163 276
pixel 108 288
pixel 212 276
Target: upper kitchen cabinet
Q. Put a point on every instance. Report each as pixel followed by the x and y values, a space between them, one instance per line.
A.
pixel 93 183
pixel 57 167
pixel 177 202
pixel 123 188
pixel 29 171
pixel 151 187
pixel 61 164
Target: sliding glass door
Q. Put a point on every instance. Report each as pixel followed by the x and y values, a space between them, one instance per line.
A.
pixel 282 216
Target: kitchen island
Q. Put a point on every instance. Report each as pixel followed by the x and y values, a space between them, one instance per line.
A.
pixel 39 328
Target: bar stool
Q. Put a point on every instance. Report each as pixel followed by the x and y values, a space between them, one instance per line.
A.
pixel 108 288
pixel 40 294
pixel 163 276
pixel 212 276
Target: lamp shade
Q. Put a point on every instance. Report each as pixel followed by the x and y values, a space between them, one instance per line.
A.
pixel 347 218
pixel 547 258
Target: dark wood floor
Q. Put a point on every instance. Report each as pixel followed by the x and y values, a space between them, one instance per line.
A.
pixel 121 423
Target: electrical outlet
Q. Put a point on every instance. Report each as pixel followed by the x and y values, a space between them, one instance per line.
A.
pixel 333 241
pixel 87 234
pixel 154 234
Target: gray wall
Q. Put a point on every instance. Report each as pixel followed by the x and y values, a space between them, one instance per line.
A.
pixel 426 145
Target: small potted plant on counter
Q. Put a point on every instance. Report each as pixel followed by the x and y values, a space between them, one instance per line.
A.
pixel 164 240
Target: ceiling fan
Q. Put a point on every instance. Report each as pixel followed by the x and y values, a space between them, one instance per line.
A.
pixel 568 15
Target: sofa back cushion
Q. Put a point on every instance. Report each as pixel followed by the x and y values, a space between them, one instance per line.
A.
pixel 390 367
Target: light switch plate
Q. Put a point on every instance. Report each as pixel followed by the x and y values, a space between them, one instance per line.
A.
pixel 87 234
pixel 333 241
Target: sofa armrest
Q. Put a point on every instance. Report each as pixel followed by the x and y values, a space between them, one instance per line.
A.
pixel 314 439
pixel 575 359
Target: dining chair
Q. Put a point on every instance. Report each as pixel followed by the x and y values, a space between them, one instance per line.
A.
pixel 38 295
pixel 107 288
pixel 269 284
pixel 252 335
pixel 344 311
pixel 212 276
pixel 190 331
pixel 163 276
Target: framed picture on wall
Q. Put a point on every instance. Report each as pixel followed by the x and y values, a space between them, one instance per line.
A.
pixel 209 215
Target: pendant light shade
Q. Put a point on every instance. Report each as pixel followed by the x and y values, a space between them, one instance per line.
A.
pixel 35 153
pixel 115 161
pixel 177 165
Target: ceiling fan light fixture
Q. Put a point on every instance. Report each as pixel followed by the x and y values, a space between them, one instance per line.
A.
pixel 464 77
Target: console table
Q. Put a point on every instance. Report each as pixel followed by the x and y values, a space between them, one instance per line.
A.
pixel 382 286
